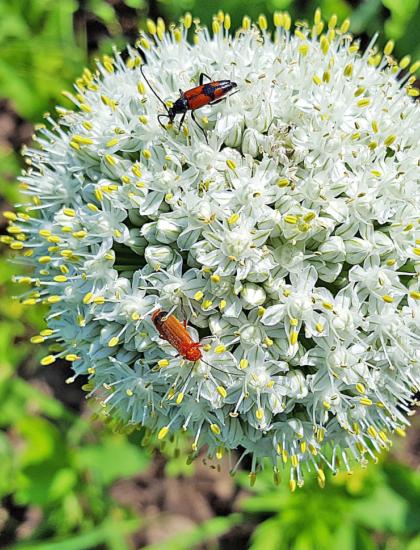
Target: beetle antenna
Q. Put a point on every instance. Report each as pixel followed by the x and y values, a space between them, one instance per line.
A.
pixel 151 87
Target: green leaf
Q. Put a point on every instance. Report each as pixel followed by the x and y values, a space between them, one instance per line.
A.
pixel 268 535
pixel 93 538
pixel 366 12
pixel 344 537
pixel 114 458
pixel 136 4
pixel 204 532
pixel 414 544
pixel 384 510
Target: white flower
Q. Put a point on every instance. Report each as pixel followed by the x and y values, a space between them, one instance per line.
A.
pixel 288 241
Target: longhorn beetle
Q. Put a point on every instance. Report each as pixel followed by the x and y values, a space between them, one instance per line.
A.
pixel 176 334
pixel 205 94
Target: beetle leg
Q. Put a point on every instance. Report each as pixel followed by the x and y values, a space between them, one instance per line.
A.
pixel 201 128
pixel 202 75
pixel 159 117
pixel 182 120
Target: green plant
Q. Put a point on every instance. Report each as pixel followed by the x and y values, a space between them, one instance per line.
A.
pixel 375 508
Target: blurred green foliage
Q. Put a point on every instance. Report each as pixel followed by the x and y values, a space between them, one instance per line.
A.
pixel 55 461
pixel 374 508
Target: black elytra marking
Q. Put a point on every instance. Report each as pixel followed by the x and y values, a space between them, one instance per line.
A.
pixel 208 90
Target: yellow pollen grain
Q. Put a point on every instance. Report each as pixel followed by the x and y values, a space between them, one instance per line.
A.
pixel 151 26
pixel 293 337
pixel 162 363
pixel 215 278
pixel 348 70
pixel 360 388
pixel 294 460
pixel 278 19
pixel 11 216
pixel 220 349
pixel 400 431
pixel 206 304
pixel 113 341
pixel 243 364
pixel 246 23
pixel 179 398
pixel 325 44
pixel 47 360
pixel 387 298
pixel 222 304
pixel 259 414
pixel 198 295
pixel 44 259
pixel 366 401
pixel 215 429
pixel 364 102
pixel 319 327
pixel 283 182
pixel 231 164
pixel 390 140
pixel 415 294
pixel 187 21
pixel 415 67
pixel 144 43
pixel 405 62
pixel 290 219
pixel 233 218
pixel 262 22
pixel 38 339
pixel 54 299
pixel 163 432
pixel 345 25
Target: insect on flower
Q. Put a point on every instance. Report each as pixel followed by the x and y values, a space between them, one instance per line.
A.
pixel 204 94
pixel 176 334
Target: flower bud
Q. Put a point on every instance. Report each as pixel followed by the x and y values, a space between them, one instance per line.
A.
pixel 333 250
pixel 167 231
pixel 252 295
pixel 158 256
pixel 136 241
pixel 231 126
pixel 357 250
pixel 251 142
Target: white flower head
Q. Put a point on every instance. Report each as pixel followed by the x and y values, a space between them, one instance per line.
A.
pixel 283 228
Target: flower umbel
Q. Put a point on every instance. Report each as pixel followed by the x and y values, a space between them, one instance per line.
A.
pixel 290 242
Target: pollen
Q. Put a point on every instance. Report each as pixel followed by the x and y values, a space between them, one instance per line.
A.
pixel 221 391
pixel 48 360
pixel 220 349
pixel 163 432
pixel 114 341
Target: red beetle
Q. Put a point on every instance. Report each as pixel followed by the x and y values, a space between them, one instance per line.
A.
pixel 205 94
pixel 176 334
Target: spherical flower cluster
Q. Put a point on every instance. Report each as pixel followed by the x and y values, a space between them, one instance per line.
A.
pixel 289 242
